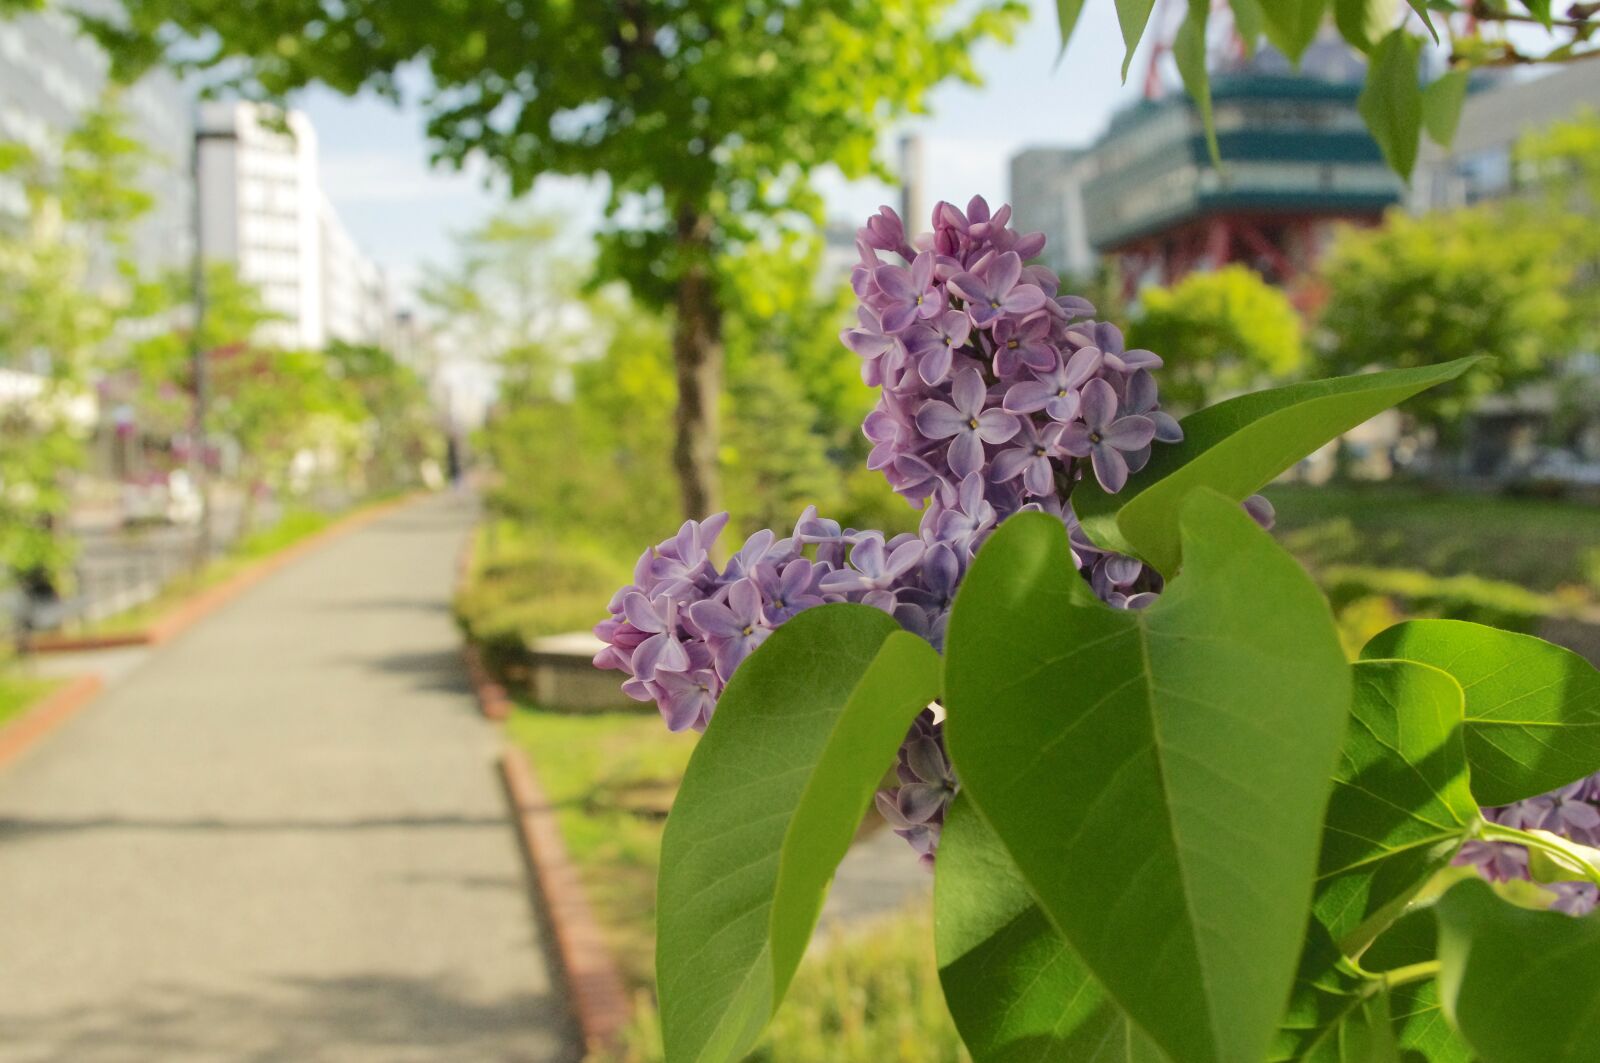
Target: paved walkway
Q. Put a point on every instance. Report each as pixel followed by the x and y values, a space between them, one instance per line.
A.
pixel 280 838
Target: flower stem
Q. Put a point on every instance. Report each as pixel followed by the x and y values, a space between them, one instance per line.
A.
pixel 1499 832
pixel 1415 972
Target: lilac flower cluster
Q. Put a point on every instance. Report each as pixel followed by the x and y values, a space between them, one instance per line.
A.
pixel 984 366
pixel 1573 812
pixel 997 394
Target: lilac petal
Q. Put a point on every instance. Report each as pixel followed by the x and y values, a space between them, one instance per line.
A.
pixel 968 393
pixel 1003 275
pixel 895 283
pixel 940 420
pixel 1075 440
pixel 1009 464
pixel 1259 508
pixel 868 554
pixel 904 558
pixel 1168 430
pixel 1110 468
pixel 884 800
pixel 1023 299
pixel 1141 392
pixel 899 317
pixel 659 653
pixel 744 601
pixel 966 454
pixel 996 426
pixel 971 288
pixel 922 271
pixel 1098 407
pixel 920 802
pixel 934 366
pixel 926 759
pixel 1038 477
pixel 715 620
pixel 1063 407
pixel 641 614
pixel 941 570
pixel 1083 365
pixel 1129 433
pixel 1027 397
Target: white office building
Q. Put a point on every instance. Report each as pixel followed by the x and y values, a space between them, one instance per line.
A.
pixel 1047 196
pixel 50 76
pixel 262 207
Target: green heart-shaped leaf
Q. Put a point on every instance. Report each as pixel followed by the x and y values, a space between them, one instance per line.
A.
pixel 1012 983
pixel 1159 777
pixel 1521 986
pixel 1533 709
pixel 1419 1023
pixel 1401 803
pixel 772 796
pixel 1236 448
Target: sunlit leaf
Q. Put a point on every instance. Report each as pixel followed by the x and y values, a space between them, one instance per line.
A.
pixel 1441 106
pixel 1401 804
pixel 1159 776
pixel 1017 992
pixel 1236 448
pixel 1391 100
pixel 770 801
pixel 1533 709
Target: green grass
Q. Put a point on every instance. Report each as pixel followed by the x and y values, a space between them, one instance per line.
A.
pixel 612 778
pixel 1541 545
pixel 19 693
pixel 526 584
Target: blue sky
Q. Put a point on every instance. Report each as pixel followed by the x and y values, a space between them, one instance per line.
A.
pixel 402 212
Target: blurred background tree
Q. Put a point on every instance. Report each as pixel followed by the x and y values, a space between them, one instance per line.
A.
pixel 61 260
pixel 706 116
pixel 1221 333
pixel 1419 291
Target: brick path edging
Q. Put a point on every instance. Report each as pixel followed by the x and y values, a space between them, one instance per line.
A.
pixel 50 712
pixel 593 979
pixel 200 605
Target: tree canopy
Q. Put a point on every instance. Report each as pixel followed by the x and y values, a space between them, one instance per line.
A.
pixel 705 117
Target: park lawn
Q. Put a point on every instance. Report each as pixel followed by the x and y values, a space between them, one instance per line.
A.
pixel 19 693
pixel 612 777
pixel 1542 545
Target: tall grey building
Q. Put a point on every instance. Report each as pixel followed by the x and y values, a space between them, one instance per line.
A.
pixel 50 76
pixel 1047 195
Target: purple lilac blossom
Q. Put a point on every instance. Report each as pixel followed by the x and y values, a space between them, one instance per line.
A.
pixel 1573 812
pixel 997 393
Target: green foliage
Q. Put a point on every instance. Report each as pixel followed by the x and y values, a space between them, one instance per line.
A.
pixel 707 118
pixel 1400 791
pixel 1090 737
pixel 62 288
pixel 1015 988
pixel 1395 105
pixel 1237 448
pixel 1221 333
pixel 811 721
pixel 1187 833
pixel 775 460
pixel 1429 290
pixel 1519 692
pixel 399 432
pixel 1519 985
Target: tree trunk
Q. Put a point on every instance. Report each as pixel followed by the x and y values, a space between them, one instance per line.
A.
pixel 697 356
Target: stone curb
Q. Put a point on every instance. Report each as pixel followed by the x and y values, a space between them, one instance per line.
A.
pixel 598 997
pixel 193 609
pixel 593 979
pixel 50 712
